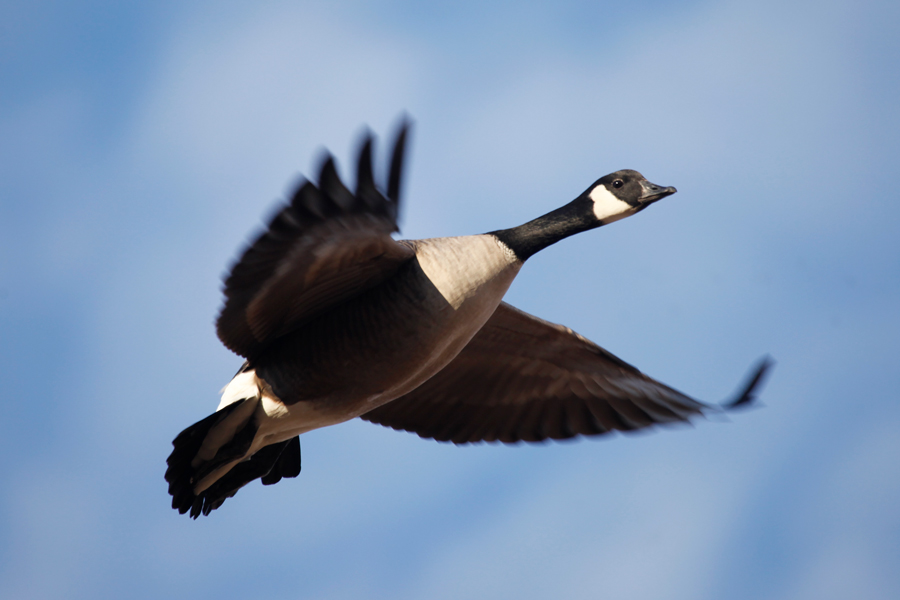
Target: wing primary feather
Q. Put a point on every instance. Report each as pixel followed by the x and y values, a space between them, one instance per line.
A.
pixel 659 412
pixel 331 185
pixel 396 170
pixel 366 190
pixel 284 226
pixel 308 201
pixel 747 396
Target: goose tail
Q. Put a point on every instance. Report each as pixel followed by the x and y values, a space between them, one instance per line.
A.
pixel 211 459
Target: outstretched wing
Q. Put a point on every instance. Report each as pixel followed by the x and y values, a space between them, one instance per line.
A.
pixel 327 245
pixel 524 379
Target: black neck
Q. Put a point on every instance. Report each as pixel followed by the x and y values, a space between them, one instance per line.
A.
pixel 532 237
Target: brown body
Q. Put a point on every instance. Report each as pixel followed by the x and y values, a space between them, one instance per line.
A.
pixel 338 320
pixel 385 342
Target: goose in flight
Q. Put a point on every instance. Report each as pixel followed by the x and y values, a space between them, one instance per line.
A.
pixel 336 319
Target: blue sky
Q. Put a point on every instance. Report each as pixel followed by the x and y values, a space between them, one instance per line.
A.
pixel 141 145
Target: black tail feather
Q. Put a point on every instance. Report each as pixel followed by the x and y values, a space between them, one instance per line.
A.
pixel 180 473
pixel 233 450
pixel 287 465
pixel 266 464
pixel 271 464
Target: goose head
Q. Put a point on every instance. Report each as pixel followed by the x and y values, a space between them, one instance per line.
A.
pixel 622 194
pixel 610 198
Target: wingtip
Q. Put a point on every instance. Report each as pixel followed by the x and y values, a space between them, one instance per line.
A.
pixel 396 168
pixel 748 394
pixel 331 185
pixel 365 179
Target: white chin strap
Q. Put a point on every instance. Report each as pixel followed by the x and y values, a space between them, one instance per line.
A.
pixel 607 207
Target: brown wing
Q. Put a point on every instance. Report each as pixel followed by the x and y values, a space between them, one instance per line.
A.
pixel 327 245
pixel 522 378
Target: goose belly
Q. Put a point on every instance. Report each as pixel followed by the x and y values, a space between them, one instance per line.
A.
pixel 389 340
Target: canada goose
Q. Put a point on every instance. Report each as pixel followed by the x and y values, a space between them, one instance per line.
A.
pixel 338 320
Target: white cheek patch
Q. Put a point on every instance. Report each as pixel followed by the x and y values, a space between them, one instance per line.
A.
pixel 607 207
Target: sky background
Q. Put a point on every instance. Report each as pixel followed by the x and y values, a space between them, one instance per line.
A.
pixel 141 144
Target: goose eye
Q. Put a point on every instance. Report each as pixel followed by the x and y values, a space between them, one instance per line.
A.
pixel 618 183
